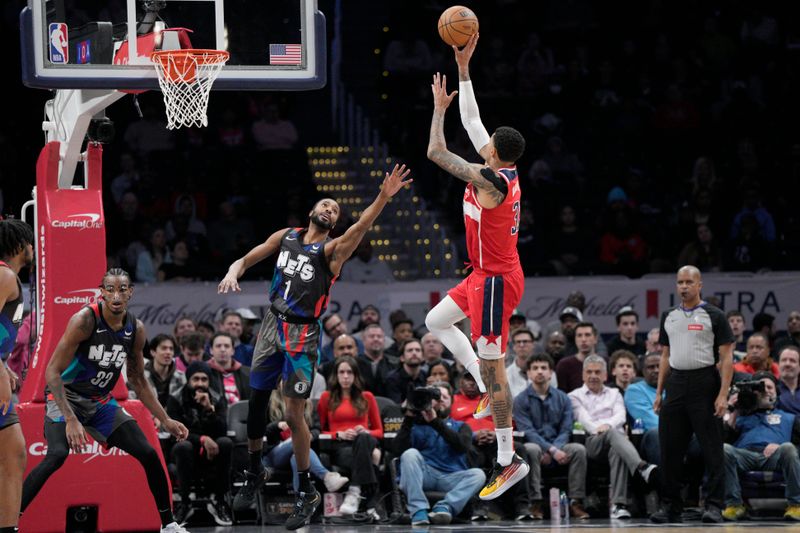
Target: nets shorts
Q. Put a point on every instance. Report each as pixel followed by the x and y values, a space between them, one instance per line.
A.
pixel 488 302
pixel 100 418
pixel 285 351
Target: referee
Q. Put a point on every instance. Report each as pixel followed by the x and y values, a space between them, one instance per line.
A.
pixel 696 340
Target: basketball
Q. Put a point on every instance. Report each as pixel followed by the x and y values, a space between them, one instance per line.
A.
pixel 457 24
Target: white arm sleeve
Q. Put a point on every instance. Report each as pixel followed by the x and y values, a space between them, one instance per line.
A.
pixel 470 116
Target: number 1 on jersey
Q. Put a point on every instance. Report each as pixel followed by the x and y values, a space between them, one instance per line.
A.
pixel 286 292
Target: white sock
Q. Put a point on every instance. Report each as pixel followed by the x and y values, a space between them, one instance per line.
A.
pixel 440 322
pixel 505 446
pixel 355 490
pixel 474 368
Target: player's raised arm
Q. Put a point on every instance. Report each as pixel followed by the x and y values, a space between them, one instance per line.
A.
pixel 470 116
pixel 489 185
pixel 237 269
pixel 339 250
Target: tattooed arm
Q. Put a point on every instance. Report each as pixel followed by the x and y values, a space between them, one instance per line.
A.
pixel 138 382
pixel 481 177
pixel 79 329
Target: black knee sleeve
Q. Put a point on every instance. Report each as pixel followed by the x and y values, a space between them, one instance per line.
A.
pixel 257 414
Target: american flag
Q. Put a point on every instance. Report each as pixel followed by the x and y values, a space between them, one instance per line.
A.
pixel 284 54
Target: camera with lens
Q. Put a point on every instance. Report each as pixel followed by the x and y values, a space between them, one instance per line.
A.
pixel 101 130
pixel 748 395
pixel 421 398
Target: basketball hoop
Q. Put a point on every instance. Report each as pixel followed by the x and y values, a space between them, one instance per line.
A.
pixel 185 78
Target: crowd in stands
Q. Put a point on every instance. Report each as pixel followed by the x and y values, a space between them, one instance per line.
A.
pixel 579 412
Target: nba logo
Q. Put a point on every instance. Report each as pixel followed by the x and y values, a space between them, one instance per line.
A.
pixel 59 43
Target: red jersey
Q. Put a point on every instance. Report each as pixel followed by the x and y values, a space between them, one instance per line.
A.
pixel 492 233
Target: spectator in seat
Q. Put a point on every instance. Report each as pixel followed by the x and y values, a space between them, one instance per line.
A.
pixel 433 350
pixel 279 453
pixel 350 415
pixel 764 323
pixel 228 376
pixel 192 349
pixel 601 411
pixel 402 332
pixel 652 344
pixel 736 322
pixel 517 372
pixel 335 326
pixel 764 439
pixel 792 337
pixel 554 346
pixel 627 327
pixel 544 414
pixel 434 457
pixel 623 365
pixel 183 326
pixel 232 324
pixel 440 371
pixel 373 365
pixel 639 400
pixel 569 370
pixel 757 358
pixel 207 449
pixel 161 370
pixel 409 375
pixel 149 260
pixel 789 384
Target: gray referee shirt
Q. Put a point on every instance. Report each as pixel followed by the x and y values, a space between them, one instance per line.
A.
pixel 694 335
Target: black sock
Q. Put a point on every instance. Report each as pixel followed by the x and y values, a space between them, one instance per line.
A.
pixel 256 465
pixel 305 481
pixel 166 516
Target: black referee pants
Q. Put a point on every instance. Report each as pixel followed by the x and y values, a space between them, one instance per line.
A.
pixel 687 409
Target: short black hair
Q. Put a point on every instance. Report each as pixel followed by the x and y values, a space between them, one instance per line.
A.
pixel 220 334
pixel 509 143
pixel 540 358
pixel 585 325
pixel 193 341
pixel 762 320
pixel 734 312
pixel 15 235
pixel 627 312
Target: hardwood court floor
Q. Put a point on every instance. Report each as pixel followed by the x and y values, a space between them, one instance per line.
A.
pixel 591 526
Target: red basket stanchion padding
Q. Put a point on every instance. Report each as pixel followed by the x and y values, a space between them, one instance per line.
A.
pixel 185 78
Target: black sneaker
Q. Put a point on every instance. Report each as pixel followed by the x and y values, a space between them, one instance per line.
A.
pixel 219 510
pixel 304 509
pixel 666 516
pixel 246 496
pixel 182 512
pixel 712 515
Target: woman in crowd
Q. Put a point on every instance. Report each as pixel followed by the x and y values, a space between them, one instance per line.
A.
pixel 439 371
pixel 350 415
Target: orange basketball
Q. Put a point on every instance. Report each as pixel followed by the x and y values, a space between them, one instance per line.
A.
pixel 457 24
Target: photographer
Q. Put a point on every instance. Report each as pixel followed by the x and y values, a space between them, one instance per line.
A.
pixel 204 412
pixel 434 457
pixel 764 438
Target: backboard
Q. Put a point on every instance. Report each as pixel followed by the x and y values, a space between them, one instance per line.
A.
pixel 83 44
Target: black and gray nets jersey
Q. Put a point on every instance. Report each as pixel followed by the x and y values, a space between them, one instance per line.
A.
pixel 694 335
pixel 99 359
pixel 303 279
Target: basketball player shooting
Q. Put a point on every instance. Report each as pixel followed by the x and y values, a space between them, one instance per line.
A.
pixel 288 341
pixel 81 375
pixel 16 252
pixel 495 286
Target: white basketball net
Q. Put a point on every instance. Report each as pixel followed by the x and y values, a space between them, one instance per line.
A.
pixel 185 78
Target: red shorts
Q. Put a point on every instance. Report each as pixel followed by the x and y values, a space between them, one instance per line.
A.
pixel 488 302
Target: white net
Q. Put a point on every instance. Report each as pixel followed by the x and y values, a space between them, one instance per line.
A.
pixel 185 78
